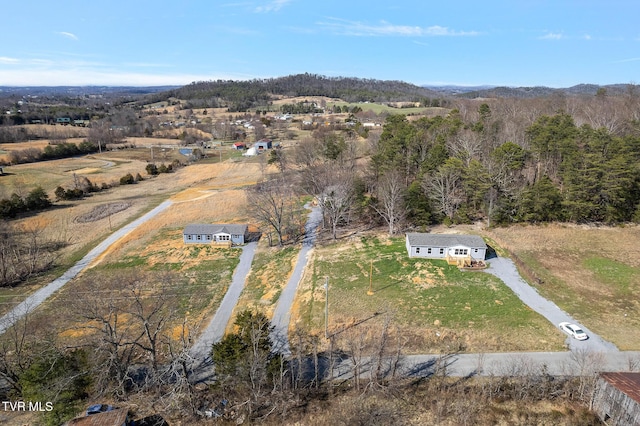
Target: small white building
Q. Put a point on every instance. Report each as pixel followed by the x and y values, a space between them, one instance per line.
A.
pixel 251 152
pixel 446 246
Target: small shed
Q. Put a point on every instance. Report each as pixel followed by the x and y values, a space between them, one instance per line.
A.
pixel 617 398
pixel 263 144
pixel 215 233
pixel 450 247
pixel 239 145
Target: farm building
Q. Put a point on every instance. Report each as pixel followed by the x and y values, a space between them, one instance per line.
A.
pixel 452 247
pixel 214 233
pixel 617 399
pixel 239 145
pixel 263 144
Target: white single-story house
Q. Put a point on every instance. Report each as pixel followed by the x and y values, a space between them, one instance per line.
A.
pixel 446 246
pixel 214 233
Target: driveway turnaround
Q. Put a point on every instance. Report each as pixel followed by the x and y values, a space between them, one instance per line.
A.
pixel 216 328
pixel 33 301
pixel 505 269
pixel 282 313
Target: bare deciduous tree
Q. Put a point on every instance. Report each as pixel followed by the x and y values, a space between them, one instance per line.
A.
pixel 445 188
pixel 336 201
pixel 273 203
pixel 390 200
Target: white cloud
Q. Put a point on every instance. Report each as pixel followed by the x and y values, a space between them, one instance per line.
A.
pixel 552 36
pixel 355 28
pixel 626 60
pixel 272 6
pixel 68 35
pixel 7 60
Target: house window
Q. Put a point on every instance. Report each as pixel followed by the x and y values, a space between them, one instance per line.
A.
pixel 188 237
pixel 417 250
pixel 208 237
pixel 475 250
pixel 199 237
pixel 429 250
pixel 441 251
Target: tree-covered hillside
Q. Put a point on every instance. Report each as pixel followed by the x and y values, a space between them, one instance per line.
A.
pixel 240 95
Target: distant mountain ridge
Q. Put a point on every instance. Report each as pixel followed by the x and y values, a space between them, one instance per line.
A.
pixel 529 92
pixel 81 90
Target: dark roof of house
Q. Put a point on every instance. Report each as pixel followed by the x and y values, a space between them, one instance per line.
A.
pixel 211 228
pixel 108 418
pixel 629 383
pixel 445 240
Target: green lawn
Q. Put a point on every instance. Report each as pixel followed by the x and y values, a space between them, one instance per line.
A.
pixel 423 294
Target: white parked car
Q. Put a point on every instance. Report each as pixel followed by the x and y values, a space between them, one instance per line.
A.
pixel 573 331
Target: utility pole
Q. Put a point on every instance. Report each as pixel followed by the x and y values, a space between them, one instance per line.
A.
pixel 326 307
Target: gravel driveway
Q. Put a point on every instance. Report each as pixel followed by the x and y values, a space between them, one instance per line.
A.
pixel 505 269
pixel 34 300
pixel 216 328
pixel 282 313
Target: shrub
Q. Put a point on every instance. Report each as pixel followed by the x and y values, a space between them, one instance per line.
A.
pixel 127 179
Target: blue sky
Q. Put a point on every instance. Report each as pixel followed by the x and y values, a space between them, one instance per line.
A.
pixel 556 43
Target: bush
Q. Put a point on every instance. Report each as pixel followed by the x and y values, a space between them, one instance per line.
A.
pixel 152 169
pixel 127 179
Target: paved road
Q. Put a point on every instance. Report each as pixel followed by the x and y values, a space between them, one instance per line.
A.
pixel 574 363
pixel 505 269
pixel 282 313
pixel 216 328
pixel 34 300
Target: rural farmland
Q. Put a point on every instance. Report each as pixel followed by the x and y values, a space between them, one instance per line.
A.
pixel 132 315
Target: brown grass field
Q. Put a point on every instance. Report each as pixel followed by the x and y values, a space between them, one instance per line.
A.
pixel 202 192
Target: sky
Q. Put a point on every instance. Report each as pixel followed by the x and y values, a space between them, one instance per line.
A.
pixel 554 43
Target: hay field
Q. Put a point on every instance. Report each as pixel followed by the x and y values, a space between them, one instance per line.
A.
pixel 53 173
pixel 7 148
pixel 593 273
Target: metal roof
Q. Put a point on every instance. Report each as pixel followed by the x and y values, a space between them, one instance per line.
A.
pixel 108 418
pixel 211 228
pixel 629 383
pixel 445 240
